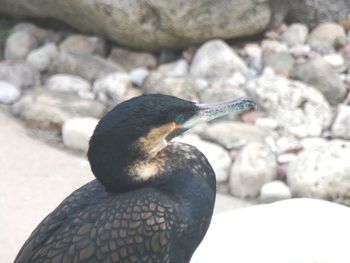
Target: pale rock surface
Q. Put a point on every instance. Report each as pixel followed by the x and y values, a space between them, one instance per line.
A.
pixel 290 231
pixel 322 172
pixel 254 166
pixel 76 133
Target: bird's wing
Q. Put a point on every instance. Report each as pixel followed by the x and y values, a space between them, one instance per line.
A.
pixel 120 228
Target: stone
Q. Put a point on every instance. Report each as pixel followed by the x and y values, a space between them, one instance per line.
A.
pixel 44 109
pixel 66 83
pixel 81 44
pixel 9 93
pixel 253 52
pixel 313 13
pixel 182 87
pixel 43 57
pixel 331 35
pixel 177 68
pixel 130 59
pixel 254 166
pixel 274 191
pixel 216 59
pixel 317 231
pixel 231 134
pixel 296 34
pixel 89 67
pixel 300 50
pixel 336 61
pixel 267 123
pixel 217 156
pixel 273 46
pixel 280 62
pixel 152 25
pixel 286 158
pixel 76 133
pixel 322 172
pixel 138 75
pixel 341 125
pixel 19 74
pixel 320 74
pixel 18 45
pixel 112 88
pixel 299 109
pixel 40 34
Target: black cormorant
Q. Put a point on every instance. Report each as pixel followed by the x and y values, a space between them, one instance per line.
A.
pixel 152 200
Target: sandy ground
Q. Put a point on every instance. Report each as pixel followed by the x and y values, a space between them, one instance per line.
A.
pixel 35 177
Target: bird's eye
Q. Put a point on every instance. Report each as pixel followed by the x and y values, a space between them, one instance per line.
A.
pixel 180 119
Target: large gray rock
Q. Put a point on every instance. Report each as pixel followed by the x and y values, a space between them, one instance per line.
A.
pixel 341 125
pixel 298 108
pixel 45 109
pixel 234 134
pixel 19 74
pixel 322 172
pixel 329 35
pixel 291 231
pixel 87 66
pixel 296 34
pixel 216 59
pixel 314 12
pixel 254 166
pixel 152 24
pixel 320 74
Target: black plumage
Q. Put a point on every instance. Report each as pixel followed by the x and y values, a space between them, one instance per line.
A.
pixel 152 200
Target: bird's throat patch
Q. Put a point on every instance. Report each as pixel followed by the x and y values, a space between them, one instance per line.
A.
pixel 150 145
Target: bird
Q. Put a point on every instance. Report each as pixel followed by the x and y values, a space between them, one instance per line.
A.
pixel 152 199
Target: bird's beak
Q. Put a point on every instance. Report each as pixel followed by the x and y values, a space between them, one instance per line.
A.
pixel 208 112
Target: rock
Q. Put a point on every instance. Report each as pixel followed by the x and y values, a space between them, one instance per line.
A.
pixel 182 87
pixel 300 50
pixel 322 172
pixel 336 61
pixel 81 44
pixel 328 34
pixel 273 46
pixel 318 73
pixel 280 62
pixel 138 75
pixel 66 83
pixel 266 123
pixel 76 133
pixel 313 12
pixel 152 25
pixel 45 109
pixel 216 59
pixel 18 45
pixel 41 58
pixel 254 166
pixel 234 134
pixel 177 68
pixel 341 125
pixel 250 117
pixel 86 66
pixel 264 233
pixel 19 74
pixel 112 88
pixel 131 59
pixel 9 93
pixel 40 34
pixel 253 53
pixel 286 158
pixel 217 156
pixel 274 191
pixel 296 34
pixel 299 109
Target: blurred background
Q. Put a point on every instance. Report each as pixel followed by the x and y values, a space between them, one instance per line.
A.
pixel 63 64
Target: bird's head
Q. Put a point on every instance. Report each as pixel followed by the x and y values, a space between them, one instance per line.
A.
pixel 127 141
